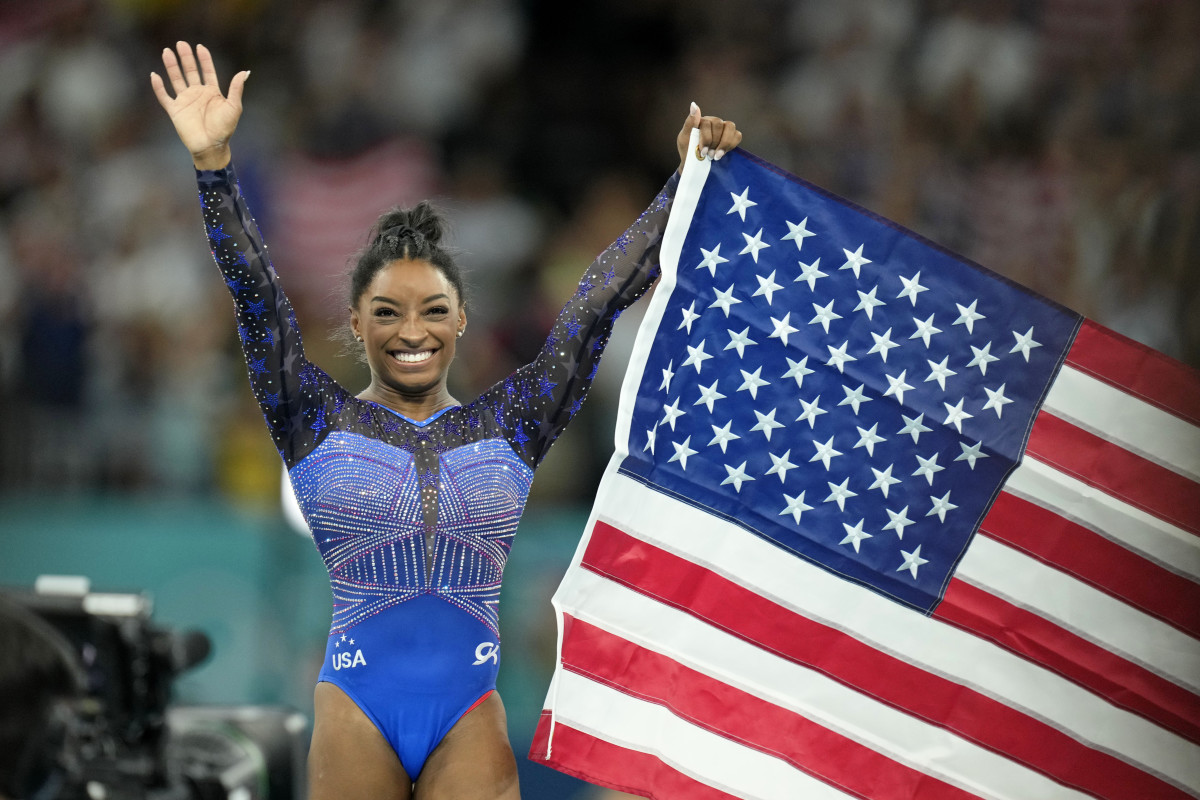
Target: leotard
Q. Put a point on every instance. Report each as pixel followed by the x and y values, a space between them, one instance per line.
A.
pixel 414 520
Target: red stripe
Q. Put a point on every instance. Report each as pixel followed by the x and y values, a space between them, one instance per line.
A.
pixel 970 714
pixel 749 720
pixel 1095 560
pixel 1101 671
pixel 1134 368
pixel 1118 472
pixel 606 764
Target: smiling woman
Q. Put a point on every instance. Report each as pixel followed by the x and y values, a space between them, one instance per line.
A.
pixel 412 497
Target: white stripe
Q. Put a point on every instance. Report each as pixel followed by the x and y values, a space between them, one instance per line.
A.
pixel 1122 418
pixel 942 649
pixel 809 693
pixel 1083 610
pixel 1165 544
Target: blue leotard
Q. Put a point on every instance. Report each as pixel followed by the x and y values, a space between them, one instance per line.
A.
pixel 415 520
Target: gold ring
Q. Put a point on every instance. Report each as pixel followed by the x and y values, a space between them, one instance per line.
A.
pixel 698 156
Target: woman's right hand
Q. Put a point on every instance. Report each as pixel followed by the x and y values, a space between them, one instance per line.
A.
pixel 203 117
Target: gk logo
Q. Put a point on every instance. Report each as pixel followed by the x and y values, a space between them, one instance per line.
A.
pixel 487 651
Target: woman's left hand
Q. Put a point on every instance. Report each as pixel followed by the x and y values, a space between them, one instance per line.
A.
pixel 717 136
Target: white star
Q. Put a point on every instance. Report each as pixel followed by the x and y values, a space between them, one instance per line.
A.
pixel 838 493
pixel 967 315
pixel 711 259
pixel 855 534
pixel 767 287
pixel 912 288
pixel 811 412
pixel 1025 343
pixel 982 357
pixel 838 356
pixel 766 423
pixel 929 467
pixel 810 273
pixel 780 465
pixel 689 316
pixel 940 506
pixel 996 400
pixel 914 426
pixel 737 476
pixel 708 396
pixel 912 561
pixel 825 315
pixel 825 452
pixel 882 344
pixel 971 452
pixel 671 413
pixel 667 375
pixel 869 438
pixel 955 415
pixel 739 340
pixel 867 301
pixel 723 436
pixel 798 233
pixel 883 479
pixel 724 300
pixel 751 381
pixel 650 434
pixel 696 357
pixel 898 521
pixel 854 397
pixel 753 245
pixel 925 329
pixel 897 386
pixel 782 328
pixel 682 451
pixel 939 372
pixel 741 203
pixel 854 260
pixel 795 506
pixel 797 370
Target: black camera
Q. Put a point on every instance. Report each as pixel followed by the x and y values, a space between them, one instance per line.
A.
pixel 120 737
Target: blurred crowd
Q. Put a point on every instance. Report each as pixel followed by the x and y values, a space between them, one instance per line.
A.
pixel 1054 141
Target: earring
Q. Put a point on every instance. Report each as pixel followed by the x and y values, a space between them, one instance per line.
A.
pixel 458 335
pixel 358 338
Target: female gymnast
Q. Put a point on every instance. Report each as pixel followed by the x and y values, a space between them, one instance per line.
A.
pixel 412 496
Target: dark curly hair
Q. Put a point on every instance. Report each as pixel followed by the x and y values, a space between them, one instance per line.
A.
pixel 406 233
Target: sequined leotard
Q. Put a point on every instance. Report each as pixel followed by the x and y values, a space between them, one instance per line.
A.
pixel 415 520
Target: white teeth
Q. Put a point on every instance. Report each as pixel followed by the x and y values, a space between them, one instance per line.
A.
pixel 413 358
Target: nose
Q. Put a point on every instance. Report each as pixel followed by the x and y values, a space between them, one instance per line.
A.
pixel 412 329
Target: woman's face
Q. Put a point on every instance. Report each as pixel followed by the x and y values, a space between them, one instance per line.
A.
pixel 409 318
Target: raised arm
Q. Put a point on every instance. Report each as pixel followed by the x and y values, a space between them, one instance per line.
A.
pixel 204 118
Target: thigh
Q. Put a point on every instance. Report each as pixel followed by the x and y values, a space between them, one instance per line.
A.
pixel 349 758
pixel 474 761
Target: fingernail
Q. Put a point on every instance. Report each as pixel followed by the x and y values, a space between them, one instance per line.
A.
pixel 703 152
pixel 717 157
pixel 695 108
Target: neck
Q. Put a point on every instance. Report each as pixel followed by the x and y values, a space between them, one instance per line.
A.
pixel 419 407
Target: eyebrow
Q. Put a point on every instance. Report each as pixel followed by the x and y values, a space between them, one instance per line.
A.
pixel 430 299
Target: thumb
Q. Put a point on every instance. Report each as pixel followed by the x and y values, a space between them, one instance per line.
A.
pixel 693 119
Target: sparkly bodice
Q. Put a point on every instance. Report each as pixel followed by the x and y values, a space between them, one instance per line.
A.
pixel 400 508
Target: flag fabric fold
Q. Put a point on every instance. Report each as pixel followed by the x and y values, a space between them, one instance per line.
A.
pixel 879 523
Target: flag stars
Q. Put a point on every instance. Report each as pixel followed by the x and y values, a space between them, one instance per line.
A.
pixel 897 386
pixel 868 438
pixel 825 315
pixel 971 452
pixel 941 505
pixel 783 328
pixel 839 493
pixel 855 260
pixel 737 476
pixel 811 412
pixel 723 435
pixel 838 356
pixel 939 372
pixel 651 434
pixel 711 259
pixel 868 302
pixel 667 375
pixel 1025 343
pixel 766 423
pixel 766 287
pixel 825 452
pixel 751 382
pixel 753 245
pixel 914 426
pixel 854 397
pixel 925 329
pixel 883 479
pixel 996 400
pixel 898 521
pixel 797 370
pixel 741 202
pixel 929 467
pixel 708 396
pixel 682 451
pixel 912 288
pixel 809 274
pixel 912 561
pixel 983 357
pixel 724 300
pixel 798 232
pixel 967 315
pixel 671 413
pixel 740 341
pixel 689 316
pixel 780 465
pixel 696 357
pixel 955 414
pixel 883 343
pixel 854 534
pixel 795 506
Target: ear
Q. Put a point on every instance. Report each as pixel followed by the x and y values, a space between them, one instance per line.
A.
pixel 354 323
pixel 462 320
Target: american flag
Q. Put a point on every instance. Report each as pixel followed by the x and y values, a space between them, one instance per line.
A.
pixel 879 524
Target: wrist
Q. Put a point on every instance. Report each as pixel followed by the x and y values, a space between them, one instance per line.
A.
pixel 212 158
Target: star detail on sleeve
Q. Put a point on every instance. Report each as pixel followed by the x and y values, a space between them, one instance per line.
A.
pixel 711 259
pixel 883 479
pixel 667 375
pixel 708 396
pixel 855 534
pixel 967 315
pixel 825 452
pixel 766 287
pixel 217 234
pixel 766 423
pixel 753 245
pixel 925 329
pixel 940 506
pixel 797 370
pixel 929 467
pixel 855 260
pixel 795 506
pixel 971 452
pixel 996 400
pixel 898 521
pixel 912 288
pixel 671 413
pixel 780 465
pixel 751 381
pixel 258 365
pixel 811 411
pixel 1025 343
pixel 689 316
pixel 696 357
pixel 983 357
pixel 839 493
pixel 897 386
pixel 737 476
pixel 912 561
pixel 883 343
pixel 914 426
pixel 809 273
pixel 869 438
pixel 782 328
pixel 740 341
pixel 955 414
pixel 854 397
pixel 868 302
pixel 825 315
pixel 798 233
pixel 682 451
pixel 723 435
pixel 741 203
pixel 724 300
pixel 838 356
pixel 260 308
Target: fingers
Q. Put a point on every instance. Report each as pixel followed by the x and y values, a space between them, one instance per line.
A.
pixel 207 70
pixel 160 91
pixel 718 137
pixel 191 72
pixel 174 74
pixel 235 87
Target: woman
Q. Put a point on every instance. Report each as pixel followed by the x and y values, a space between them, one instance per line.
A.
pixel 412 496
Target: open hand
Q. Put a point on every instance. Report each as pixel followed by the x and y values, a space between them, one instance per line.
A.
pixel 203 117
pixel 717 136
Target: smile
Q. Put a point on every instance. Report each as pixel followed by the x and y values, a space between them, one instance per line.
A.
pixel 413 358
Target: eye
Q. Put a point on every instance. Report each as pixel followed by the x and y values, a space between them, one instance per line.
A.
pixel 384 311
pixel 438 311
